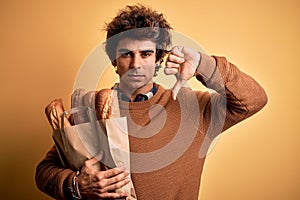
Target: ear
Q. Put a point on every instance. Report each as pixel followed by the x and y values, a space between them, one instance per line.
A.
pixel 159 61
pixel 114 63
pixel 157 65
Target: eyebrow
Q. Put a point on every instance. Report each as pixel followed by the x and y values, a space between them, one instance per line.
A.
pixel 129 51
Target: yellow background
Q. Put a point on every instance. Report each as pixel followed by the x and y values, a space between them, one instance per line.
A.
pixel 43 44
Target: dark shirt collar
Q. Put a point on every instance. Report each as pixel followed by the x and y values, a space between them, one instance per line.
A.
pixel 139 97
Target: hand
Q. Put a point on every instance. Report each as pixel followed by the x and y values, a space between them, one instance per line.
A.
pixel 95 184
pixel 181 62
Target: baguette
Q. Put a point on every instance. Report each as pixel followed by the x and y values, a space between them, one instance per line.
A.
pixel 54 112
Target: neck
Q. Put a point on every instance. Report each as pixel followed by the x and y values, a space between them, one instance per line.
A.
pixel 133 92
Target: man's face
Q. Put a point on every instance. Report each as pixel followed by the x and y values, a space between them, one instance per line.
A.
pixel 135 64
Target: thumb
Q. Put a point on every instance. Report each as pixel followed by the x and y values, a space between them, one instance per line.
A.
pixel 94 160
pixel 180 82
pixel 99 156
pixel 177 50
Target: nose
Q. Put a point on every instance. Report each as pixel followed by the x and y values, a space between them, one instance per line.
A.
pixel 136 61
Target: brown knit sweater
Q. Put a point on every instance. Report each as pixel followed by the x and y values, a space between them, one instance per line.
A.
pixel 169 139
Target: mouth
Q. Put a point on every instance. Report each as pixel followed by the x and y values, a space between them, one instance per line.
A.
pixel 135 77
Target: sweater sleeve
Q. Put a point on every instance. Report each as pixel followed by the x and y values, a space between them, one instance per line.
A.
pixel 52 178
pixel 235 97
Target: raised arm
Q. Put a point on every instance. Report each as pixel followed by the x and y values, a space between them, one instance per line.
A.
pixel 237 96
pixel 241 93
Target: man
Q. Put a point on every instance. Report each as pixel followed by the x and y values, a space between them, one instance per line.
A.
pixel 138 39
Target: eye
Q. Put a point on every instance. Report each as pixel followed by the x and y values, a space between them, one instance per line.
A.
pixel 126 54
pixel 146 54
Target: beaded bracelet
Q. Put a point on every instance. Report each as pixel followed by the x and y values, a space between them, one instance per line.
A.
pixel 75 189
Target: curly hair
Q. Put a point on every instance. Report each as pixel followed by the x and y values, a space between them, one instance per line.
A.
pixel 138 22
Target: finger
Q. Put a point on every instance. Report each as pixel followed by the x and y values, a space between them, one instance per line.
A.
pixel 112 172
pixel 110 187
pixel 170 64
pixel 170 71
pixel 113 195
pixel 175 59
pixel 180 82
pixel 120 177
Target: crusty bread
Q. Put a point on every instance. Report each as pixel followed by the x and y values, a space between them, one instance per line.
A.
pixel 103 104
pixel 54 112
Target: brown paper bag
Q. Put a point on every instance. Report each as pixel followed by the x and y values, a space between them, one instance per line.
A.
pixel 84 140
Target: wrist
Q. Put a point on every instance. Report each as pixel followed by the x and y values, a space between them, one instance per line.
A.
pixel 198 61
pixel 74 189
pixel 206 66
